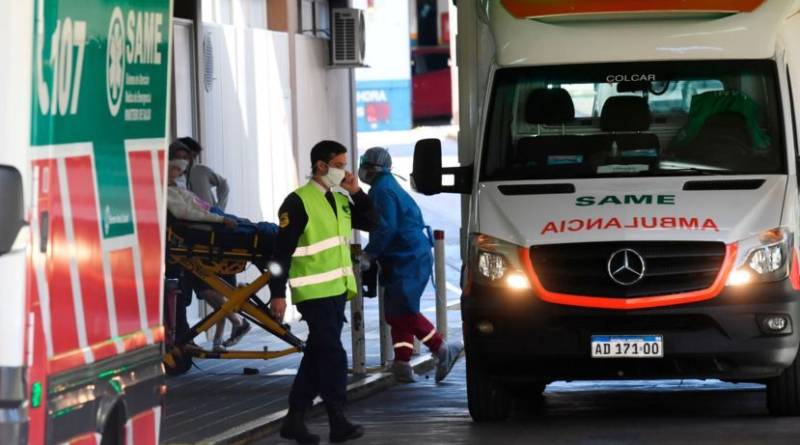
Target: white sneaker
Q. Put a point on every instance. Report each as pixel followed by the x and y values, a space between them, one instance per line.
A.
pixel 403 373
pixel 447 355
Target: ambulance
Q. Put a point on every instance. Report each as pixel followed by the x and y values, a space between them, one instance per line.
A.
pixel 83 119
pixel 630 174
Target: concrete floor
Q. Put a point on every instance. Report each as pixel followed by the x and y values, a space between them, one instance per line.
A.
pixel 596 413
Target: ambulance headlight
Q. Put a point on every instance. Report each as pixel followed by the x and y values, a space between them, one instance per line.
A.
pixel 767 259
pixel 496 263
pixel 763 258
pixel 491 265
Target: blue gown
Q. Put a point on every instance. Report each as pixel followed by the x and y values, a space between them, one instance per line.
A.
pixel 401 245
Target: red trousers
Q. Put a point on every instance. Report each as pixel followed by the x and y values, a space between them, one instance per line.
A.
pixel 407 326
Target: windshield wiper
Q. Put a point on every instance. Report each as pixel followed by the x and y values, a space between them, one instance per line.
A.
pixel 699 171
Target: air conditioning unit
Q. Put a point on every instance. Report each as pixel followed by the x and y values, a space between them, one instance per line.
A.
pixel 348 38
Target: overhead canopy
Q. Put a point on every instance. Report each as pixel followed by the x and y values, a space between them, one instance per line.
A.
pixel 544 8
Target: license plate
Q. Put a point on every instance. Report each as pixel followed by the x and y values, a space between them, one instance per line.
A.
pixel 627 346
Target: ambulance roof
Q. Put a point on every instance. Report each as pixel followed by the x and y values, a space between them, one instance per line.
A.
pixel 604 31
pixel 552 8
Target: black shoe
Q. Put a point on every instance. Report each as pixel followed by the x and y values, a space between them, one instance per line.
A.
pixel 342 429
pixel 294 428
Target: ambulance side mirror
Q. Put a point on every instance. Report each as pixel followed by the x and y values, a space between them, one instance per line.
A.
pixel 12 210
pixel 430 178
pixel 426 177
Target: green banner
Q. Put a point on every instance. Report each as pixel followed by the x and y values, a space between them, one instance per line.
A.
pixel 100 77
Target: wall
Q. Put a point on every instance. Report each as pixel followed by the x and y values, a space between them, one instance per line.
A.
pixel 247 127
pixel 323 100
pixel 246 120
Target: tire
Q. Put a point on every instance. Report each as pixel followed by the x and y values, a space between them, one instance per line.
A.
pixel 114 427
pixel 487 400
pixel 783 391
pixel 177 362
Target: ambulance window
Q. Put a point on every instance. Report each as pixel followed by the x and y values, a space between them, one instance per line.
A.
pixel 583 97
pixel 634 119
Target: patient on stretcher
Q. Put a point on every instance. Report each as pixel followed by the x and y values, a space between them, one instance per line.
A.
pixel 184 205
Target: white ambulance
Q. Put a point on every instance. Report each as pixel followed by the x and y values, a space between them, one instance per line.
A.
pixel 632 195
pixel 83 123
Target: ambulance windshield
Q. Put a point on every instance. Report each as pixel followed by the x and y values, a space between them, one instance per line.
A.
pixel 634 119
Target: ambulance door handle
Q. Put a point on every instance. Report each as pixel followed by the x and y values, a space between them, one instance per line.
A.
pixel 44 231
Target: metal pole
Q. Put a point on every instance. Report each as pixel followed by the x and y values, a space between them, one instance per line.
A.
pixel 387 348
pixel 441 282
pixel 357 318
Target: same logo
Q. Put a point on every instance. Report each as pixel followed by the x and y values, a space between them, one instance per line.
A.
pixel 115 62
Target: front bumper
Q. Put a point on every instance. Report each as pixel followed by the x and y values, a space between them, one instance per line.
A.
pixel 717 338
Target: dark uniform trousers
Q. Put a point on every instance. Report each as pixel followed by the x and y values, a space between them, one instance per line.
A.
pixel 323 369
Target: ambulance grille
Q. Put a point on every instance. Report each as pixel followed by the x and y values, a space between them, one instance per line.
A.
pixel 671 267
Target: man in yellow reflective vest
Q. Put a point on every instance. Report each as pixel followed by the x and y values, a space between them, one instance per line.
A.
pixel 313 251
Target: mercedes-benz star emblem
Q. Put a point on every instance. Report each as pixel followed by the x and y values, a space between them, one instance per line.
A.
pixel 626 267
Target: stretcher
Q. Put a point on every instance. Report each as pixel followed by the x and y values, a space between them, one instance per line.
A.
pixel 208 252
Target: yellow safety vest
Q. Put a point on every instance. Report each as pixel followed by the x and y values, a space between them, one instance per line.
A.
pixel 321 265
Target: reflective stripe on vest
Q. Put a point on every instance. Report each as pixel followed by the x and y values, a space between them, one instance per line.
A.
pixel 320 246
pixel 321 265
pixel 320 277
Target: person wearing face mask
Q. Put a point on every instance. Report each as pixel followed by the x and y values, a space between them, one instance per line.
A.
pixel 200 179
pixel 401 243
pixel 313 247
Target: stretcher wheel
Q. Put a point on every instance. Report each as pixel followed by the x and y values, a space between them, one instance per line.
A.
pixel 177 361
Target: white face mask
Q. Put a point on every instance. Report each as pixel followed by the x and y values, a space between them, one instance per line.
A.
pixel 334 177
pixel 181 181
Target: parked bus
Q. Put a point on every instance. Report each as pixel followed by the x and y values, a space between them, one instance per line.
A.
pixel 632 195
pixel 83 115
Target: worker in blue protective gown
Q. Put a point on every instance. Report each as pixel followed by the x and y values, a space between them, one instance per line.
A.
pixel 401 243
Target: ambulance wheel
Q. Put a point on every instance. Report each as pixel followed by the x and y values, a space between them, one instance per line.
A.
pixel 114 427
pixel 783 391
pixel 488 401
pixel 177 362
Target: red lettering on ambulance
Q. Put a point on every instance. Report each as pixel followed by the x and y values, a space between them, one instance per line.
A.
pixel 550 227
pixel 709 224
pixel 688 223
pixel 649 223
pixel 592 224
pixel 613 222
pixel 668 222
pixel 575 225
